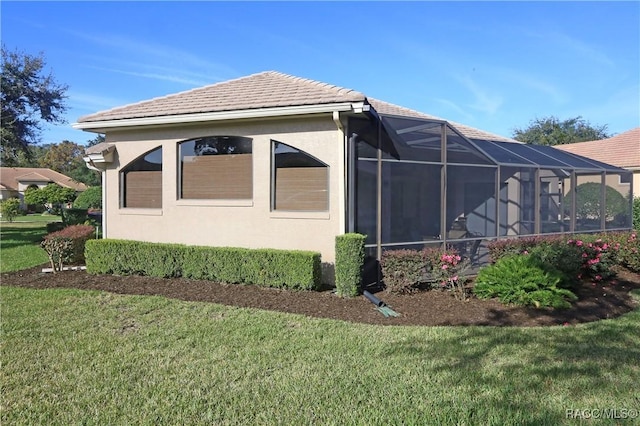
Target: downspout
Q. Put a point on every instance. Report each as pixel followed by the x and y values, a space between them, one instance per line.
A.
pixel 103 175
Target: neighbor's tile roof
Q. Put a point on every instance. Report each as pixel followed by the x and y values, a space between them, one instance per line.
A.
pixel 383 107
pixel 11 176
pixel 268 89
pixel 622 150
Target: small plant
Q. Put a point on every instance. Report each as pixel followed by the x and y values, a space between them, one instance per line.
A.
pixel 523 280
pixel 448 269
pixel 349 263
pixel 10 208
pixel 67 245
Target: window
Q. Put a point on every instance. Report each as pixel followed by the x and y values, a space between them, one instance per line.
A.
pixel 216 168
pixel 300 181
pixel 141 181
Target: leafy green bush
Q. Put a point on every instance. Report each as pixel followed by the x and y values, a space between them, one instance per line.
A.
pixel 67 245
pixel 91 198
pixel 10 208
pixel 588 202
pixel 522 280
pixel 349 264
pixel 636 213
pixel 558 255
pixel 403 270
pixel 74 216
pixel 292 269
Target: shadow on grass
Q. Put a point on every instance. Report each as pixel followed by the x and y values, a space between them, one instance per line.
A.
pixel 15 237
pixel 522 365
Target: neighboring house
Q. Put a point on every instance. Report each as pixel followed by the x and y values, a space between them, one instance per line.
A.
pixel 272 160
pixel 14 181
pixel 622 150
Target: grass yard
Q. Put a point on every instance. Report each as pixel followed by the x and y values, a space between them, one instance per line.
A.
pixel 84 357
pixel 88 357
pixel 20 242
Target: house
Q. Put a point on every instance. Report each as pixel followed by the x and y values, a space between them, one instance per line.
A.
pixel 14 181
pixel 273 160
pixel 622 150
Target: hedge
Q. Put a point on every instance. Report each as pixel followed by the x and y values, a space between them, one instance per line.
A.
pixel 292 269
pixel 349 264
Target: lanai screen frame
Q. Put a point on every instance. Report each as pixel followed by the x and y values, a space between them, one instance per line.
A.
pixel 389 148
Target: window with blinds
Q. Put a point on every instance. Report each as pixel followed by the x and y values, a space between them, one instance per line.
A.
pixel 216 168
pixel 300 182
pixel 141 182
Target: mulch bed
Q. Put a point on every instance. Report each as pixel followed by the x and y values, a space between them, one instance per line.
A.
pixel 430 308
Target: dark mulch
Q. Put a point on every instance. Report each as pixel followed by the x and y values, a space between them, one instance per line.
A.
pixel 433 307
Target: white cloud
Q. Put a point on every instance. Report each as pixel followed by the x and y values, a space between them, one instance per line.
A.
pixel 483 99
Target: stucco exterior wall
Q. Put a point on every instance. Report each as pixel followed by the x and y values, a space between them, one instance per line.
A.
pixel 236 223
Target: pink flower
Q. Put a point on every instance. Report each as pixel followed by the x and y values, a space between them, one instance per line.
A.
pixel 454 278
pixel 579 243
pixel 445 266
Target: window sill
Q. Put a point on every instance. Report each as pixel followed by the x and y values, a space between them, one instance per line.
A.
pixel 300 215
pixel 140 212
pixel 215 203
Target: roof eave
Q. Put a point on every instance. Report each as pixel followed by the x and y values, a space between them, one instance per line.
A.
pixel 220 116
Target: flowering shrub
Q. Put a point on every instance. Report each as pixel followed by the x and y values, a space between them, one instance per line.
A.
pixel 596 257
pixel 447 268
pixel 627 249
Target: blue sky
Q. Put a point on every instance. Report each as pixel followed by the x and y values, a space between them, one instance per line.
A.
pixel 491 65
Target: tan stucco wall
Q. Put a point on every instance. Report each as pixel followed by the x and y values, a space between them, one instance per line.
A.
pixel 231 223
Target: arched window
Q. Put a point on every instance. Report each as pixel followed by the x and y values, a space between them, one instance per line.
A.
pixel 141 181
pixel 300 182
pixel 216 168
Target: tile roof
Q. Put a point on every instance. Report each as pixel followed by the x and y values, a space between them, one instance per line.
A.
pixel 11 176
pixel 622 150
pixel 269 89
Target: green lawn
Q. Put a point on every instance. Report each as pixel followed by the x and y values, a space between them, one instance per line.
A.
pixel 20 243
pixel 87 357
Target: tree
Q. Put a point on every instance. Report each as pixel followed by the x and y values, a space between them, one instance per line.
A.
pixel 28 97
pixel 66 158
pixel 10 208
pixel 91 198
pixel 552 131
pixel 52 194
pixel 95 141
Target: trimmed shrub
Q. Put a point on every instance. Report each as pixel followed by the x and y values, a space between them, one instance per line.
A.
pixel 403 270
pixel 74 216
pixel 522 280
pixel 67 245
pixel 293 269
pixel 54 227
pixel 349 264
pixel 636 213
